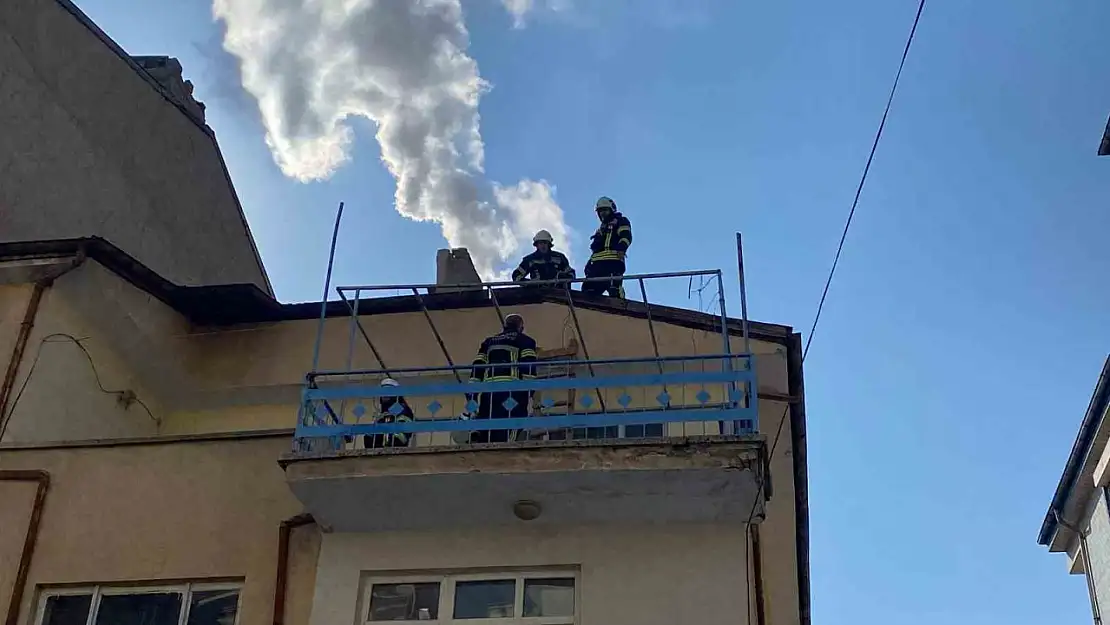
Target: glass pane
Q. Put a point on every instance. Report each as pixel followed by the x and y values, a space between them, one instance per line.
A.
pixel 67 610
pixel 404 602
pixel 213 607
pixel 156 608
pixel 485 599
pixel 549 597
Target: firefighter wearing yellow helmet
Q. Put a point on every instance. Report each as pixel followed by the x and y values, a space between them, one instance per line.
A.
pixel 609 247
pixel 545 263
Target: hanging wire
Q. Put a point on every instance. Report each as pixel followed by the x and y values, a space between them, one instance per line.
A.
pixel 825 291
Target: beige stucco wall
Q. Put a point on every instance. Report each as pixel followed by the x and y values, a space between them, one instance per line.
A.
pixel 628 575
pixel 87 147
pixel 57 396
pixel 184 511
pixel 205 380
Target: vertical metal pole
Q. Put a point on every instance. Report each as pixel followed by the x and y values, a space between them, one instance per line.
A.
pixel 585 350
pixel 327 287
pixel 352 326
pixel 493 297
pixel 439 339
pixel 735 425
pixel 351 333
pixel 651 329
pixel 743 294
pixel 365 335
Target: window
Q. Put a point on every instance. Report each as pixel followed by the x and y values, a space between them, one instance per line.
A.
pixel 539 598
pixel 186 604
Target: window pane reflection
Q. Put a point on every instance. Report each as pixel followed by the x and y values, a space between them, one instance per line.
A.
pixel 67 610
pixel 213 607
pixel 404 602
pixel 485 599
pixel 549 597
pixel 139 609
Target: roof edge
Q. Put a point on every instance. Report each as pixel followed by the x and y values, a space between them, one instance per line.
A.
pixel 87 22
pixel 235 304
pixel 1092 421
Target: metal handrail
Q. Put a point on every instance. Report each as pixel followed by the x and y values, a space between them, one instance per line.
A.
pixel 543 363
pixel 557 282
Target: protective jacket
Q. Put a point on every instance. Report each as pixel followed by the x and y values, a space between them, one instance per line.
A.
pixel 540 266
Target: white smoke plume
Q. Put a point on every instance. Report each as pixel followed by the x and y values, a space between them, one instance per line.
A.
pixel 313 65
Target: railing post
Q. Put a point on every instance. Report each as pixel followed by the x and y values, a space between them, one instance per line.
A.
pixel 327 287
pixel 734 426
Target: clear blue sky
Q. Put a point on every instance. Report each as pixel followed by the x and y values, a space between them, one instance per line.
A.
pixel 967 323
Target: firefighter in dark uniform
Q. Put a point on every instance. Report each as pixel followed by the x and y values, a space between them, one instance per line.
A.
pixel 545 263
pixel 609 246
pixel 390 414
pixel 512 356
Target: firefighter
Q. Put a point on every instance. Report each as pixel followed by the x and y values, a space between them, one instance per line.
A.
pixel 609 246
pixel 511 355
pixel 388 414
pixel 544 263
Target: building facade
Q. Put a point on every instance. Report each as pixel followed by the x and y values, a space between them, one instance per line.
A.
pixel 176 446
pixel 1078 519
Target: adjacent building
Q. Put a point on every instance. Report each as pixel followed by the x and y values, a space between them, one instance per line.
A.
pixel 1078 519
pixel 177 447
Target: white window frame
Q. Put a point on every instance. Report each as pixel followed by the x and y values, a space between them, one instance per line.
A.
pixel 98 591
pixel 447 582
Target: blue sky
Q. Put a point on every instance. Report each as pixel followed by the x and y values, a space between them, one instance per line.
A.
pixel 966 326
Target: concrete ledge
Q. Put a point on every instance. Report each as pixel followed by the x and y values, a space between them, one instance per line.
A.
pixel 710 479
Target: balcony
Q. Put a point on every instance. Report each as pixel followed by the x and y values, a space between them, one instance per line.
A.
pixel 629 440
pixel 655 439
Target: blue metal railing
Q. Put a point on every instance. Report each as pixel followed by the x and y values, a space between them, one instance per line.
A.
pixel 614 398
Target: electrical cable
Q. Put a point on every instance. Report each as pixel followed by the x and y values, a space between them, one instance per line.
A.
pixel 122 395
pixel 825 293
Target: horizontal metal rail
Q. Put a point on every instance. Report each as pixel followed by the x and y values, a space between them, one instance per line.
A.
pixel 560 282
pixel 541 363
pixel 352 391
pixel 581 420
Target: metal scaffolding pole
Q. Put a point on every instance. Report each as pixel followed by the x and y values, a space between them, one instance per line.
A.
pixel 327 287
pixel 743 293
pixel 582 340
pixel 651 329
pixel 435 331
pixel 493 298
pixel 365 334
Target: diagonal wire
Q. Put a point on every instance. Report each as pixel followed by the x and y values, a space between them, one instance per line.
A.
pixel 828 283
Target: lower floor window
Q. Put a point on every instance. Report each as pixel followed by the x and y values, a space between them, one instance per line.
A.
pixel 185 604
pixel 543 598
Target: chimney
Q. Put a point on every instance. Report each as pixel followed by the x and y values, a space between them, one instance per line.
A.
pixel 454 267
pixel 167 71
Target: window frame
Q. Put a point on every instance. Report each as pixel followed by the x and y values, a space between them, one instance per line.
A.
pixel 447 583
pixel 98 591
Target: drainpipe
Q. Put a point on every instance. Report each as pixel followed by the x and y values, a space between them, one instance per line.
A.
pixel 42 478
pixel 282 578
pixel 24 335
pixel 757 573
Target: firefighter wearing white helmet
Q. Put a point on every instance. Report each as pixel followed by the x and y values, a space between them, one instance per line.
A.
pixel 545 263
pixel 608 250
pixel 392 409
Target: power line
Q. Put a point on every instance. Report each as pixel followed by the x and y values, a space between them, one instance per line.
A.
pixel 828 283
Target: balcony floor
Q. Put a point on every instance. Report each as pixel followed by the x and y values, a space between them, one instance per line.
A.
pixel 702 479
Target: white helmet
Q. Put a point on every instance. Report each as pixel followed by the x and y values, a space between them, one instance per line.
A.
pixel 604 202
pixel 390 382
pixel 544 236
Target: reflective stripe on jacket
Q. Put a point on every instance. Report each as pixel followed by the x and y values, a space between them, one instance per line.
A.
pixel 512 354
pixel 612 239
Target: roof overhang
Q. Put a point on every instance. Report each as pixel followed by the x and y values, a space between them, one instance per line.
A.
pixel 1085 453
